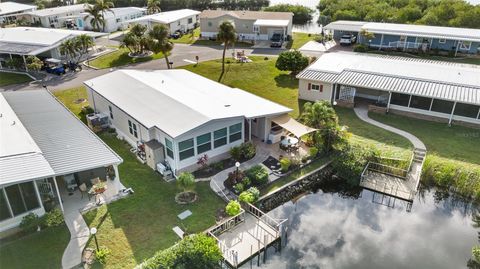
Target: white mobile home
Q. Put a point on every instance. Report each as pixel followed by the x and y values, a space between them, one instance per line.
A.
pixel 182 114
pixel 437 90
pixel 46 154
pixel 181 20
pixel 54 17
pixel 10 10
pixel 115 19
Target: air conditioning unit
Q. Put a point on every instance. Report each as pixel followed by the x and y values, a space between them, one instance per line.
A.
pixel 97 121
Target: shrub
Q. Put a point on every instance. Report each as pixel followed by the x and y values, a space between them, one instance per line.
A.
pixel 87 110
pixel 30 222
pixel 255 192
pixel 258 175
pixel 246 182
pixel 218 166
pixel 239 187
pixel 291 60
pixel 234 177
pixel 285 164
pixel 246 197
pixel 313 152
pixel 236 153
pixel 53 218
pixel 247 150
pixel 186 181
pixel 360 48
pixel 101 255
pixel 351 161
pixel 233 208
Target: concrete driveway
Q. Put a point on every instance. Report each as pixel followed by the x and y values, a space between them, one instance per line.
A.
pixel 182 54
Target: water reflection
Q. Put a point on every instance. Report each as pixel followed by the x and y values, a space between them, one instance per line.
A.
pixel 344 229
pixel 311 27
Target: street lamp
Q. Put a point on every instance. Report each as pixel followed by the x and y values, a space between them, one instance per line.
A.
pixel 237 165
pixel 93 231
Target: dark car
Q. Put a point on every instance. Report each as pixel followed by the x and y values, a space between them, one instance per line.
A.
pixel 277 40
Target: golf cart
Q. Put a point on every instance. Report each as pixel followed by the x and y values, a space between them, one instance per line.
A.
pixel 54 66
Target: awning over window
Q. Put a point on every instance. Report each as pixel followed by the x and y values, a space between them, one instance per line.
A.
pixel 292 125
pixel 272 23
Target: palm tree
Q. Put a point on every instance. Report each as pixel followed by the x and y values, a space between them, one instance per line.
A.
pixel 68 48
pixel 159 41
pixel 97 19
pixel 186 181
pixel 153 6
pixel 83 43
pixel 227 35
pixel 104 6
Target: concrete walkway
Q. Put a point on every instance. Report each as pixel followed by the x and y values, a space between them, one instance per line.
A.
pixel 362 112
pixel 72 256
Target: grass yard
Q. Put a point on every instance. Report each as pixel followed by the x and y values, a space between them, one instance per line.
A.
pixel 300 39
pixel 120 58
pixel 456 142
pixel 12 78
pixel 259 77
pixel 188 38
pixel 39 250
pixel 136 227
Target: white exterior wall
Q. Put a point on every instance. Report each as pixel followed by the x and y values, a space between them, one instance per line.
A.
pixel 111 24
pixel 313 95
pixel 182 24
pixel 214 152
pixel 120 119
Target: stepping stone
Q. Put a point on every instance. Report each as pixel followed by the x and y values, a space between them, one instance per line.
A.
pixel 178 231
pixel 185 214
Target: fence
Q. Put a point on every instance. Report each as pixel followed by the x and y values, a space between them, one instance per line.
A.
pixel 384 169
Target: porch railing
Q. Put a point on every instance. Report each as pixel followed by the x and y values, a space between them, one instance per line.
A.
pixel 385 169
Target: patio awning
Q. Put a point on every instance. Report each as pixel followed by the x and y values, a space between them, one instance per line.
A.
pixel 272 23
pixel 292 125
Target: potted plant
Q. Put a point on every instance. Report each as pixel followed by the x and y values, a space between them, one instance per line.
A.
pixel 99 187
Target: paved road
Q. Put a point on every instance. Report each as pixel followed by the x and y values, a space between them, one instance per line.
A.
pixel 180 53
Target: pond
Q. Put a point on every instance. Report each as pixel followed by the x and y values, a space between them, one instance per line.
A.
pixel 335 228
pixel 311 27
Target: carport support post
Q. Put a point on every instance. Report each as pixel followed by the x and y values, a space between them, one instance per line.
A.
pixel 25 63
pixel 451 115
pixel 389 98
pixel 249 129
pixel 58 193
pixel 381 43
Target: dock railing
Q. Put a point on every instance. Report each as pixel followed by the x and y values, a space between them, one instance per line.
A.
pixel 265 218
pixel 384 169
pixel 228 224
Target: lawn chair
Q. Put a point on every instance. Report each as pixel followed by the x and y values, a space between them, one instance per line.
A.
pixel 83 190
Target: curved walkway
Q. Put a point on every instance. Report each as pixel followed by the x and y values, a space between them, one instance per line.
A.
pixel 362 112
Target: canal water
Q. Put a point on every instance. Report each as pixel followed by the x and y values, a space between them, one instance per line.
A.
pixel 335 228
pixel 311 27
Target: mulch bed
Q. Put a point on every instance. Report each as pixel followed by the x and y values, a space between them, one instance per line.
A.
pixel 272 163
pixel 184 198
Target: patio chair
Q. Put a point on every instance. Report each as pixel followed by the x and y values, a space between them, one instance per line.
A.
pixel 95 180
pixel 83 190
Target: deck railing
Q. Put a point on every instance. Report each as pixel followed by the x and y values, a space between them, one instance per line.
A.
pixel 404 44
pixel 384 188
pixel 228 224
pixel 265 218
pixel 384 169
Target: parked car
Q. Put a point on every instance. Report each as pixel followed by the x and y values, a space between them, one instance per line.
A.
pixel 277 40
pixel 348 39
pixel 176 35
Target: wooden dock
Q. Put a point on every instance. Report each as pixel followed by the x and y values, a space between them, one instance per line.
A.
pixel 246 235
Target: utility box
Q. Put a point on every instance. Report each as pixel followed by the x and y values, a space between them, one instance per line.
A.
pixel 154 153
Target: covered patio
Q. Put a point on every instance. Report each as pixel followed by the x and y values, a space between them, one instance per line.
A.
pixel 266 28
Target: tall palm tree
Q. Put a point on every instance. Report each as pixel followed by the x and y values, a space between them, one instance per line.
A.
pixel 153 6
pixel 83 43
pixel 104 6
pixel 97 19
pixel 227 35
pixel 159 41
pixel 68 48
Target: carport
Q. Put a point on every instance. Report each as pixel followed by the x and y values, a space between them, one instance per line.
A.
pixel 266 28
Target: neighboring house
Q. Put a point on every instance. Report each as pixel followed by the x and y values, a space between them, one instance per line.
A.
pixel 181 20
pixel 249 25
pixel 40 42
pixel 54 17
pixel 437 90
pixel 411 37
pixel 115 20
pixel 10 10
pixel 176 116
pixel 45 150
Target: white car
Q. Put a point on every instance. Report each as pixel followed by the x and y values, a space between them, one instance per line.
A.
pixel 348 39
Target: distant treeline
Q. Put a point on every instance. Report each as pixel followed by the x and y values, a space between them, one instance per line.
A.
pixel 454 13
pixel 302 14
pixel 167 5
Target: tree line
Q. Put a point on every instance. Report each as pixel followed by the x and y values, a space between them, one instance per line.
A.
pixel 166 5
pixel 452 13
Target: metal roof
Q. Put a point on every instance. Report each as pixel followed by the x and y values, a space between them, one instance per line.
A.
pixel 7 8
pixel 247 14
pixel 177 101
pixel 64 141
pixel 116 12
pixel 349 26
pixel 58 10
pixel 168 16
pixel 272 23
pixel 436 79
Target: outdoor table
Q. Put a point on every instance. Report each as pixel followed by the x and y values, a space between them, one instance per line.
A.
pixel 97 192
pixel 289 141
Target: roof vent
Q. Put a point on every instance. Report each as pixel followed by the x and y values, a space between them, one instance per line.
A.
pixel 226 105
pixel 13 123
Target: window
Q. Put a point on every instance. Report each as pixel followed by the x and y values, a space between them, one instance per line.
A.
pixel 399 99
pixel 465 45
pixel 22 198
pixel 169 147
pixel 316 87
pixel 235 132
pixel 209 24
pixel 190 20
pixel 466 110
pixel 204 143
pixel 186 149
pixel 442 41
pixel 4 211
pixel 220 137
pixel 132 127
pixel 118 20
pixel 256 29
pixel 442 106
pixel 420 102
pixel 111 112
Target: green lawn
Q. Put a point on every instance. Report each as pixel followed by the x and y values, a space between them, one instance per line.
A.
pixel 287 179
pixel 300 39
pixel 259 77
pixel 188 38
pixel 39 250
pixel 120 58
pixel 136 227
pixel 12 78
pixel 456 142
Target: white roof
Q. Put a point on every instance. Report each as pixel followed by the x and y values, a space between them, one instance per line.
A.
pixel 168 16
pixel 273 23
pixel 442 80
pixel 177 101
pixel 34 40
pixel 12 7
pixel 45 140
pixel 349 26
pixel 119 12
pixel 58 10
pixel 454 33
